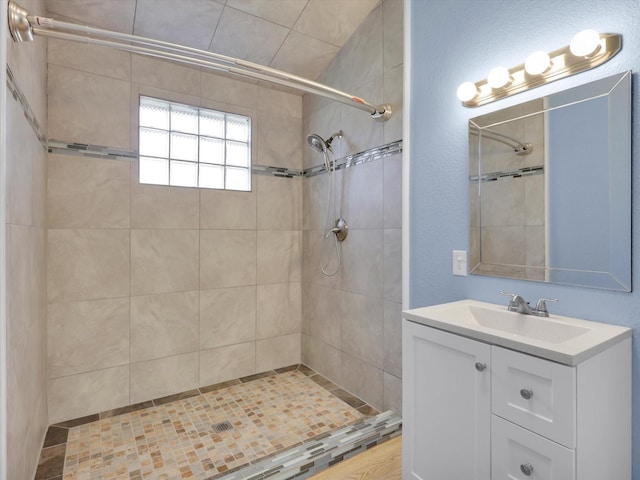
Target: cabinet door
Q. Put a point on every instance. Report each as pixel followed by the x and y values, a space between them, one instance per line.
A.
pixel 446 405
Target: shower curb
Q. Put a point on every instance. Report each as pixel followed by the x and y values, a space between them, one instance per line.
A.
pixel 315 456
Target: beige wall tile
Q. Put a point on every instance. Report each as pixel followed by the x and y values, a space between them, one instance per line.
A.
pixel 393 265
pixel 88 108
pixel 279 256
pixel 227 316
pixel 89 58
pixel 393 338
pixel 229 90
pixel 155 206
pixel 164 261
pixel 164 376
pixel 87 264
pixel 363 203
pixel 316 250
pixel 295 51
pixel 85 192
pixel 392 192
pixel 392 393
pixel 392 95
pixel 363 380
pixel 277 352
pixel 279 203
pixel 164 325
pixel 360 132
pixel 322 310
pixel 323 358
pixel 228 258
pixel 279 129
pixel 227 363
pixel 224 209
pixel 166 75
pixel 86 336
pixel 279 309
pixel 392 29
pixel 504 245
pixel 535 197
pixel 503 202
pixel 362 262
pixel 314 204
pixel 88 393
pixel 362 328
pixel 116 16
pixel 286 14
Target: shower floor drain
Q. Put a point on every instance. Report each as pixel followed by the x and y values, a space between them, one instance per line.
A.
pixel 222 426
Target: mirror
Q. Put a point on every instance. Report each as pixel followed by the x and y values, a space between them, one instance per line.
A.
pixel 550 188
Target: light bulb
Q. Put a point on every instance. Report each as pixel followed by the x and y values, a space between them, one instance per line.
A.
pixel 467 91
pixel 585 43
pixel 498 77
pixel 537 63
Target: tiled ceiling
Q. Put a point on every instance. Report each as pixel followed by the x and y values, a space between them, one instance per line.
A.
pixel 297 36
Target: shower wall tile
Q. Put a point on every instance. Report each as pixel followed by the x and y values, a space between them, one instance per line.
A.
pixel 393 265
pixel 165 75
pixel 279 309
pixel 362 328
pixel 393 338
pixel 277 352
pixel 88 108
pixel 226 363
pixel 363 203
pixel 315 194
pixel 363 262
pixel 322 309
pixel 279 203
pixel 86 336
pixel 534 204
pixel 227 210
pixel 164 261
pixel 228 258
pixel 363 380
pixel 90 58
pixel 227 316
pixel 117 16
pixel 297 49
pixel 93 392
pixel 84 264
pixel 392 95
pixel 362 133
pixel 314 246
pixel 279 256
pixel 85 192
pixel 392 192
pixel 159 207
pixel 279 129
pixel 229 90
pixel 392 31
pixel 392 393
pixel 503 202
pixel 323 358
pixel 164 325
pixel 164 376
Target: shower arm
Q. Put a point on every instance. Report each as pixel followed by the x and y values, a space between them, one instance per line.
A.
pixel 24 26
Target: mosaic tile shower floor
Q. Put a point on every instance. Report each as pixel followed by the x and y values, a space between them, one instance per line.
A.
pixel 177 440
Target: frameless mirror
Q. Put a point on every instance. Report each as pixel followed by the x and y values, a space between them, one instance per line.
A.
pixel 550 188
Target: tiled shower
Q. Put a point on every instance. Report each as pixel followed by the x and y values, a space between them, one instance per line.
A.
pixel 119 292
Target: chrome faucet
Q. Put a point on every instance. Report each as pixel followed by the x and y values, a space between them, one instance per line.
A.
pixel 520 305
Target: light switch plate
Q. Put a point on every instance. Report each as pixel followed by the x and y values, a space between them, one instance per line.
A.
pixel 460 263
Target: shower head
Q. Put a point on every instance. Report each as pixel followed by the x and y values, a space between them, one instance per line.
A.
pixel 316 142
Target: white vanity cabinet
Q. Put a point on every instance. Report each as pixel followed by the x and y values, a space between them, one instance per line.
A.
pixel 477 410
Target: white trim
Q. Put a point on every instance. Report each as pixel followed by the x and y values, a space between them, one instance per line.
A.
pixel 3 237
pixel 406 155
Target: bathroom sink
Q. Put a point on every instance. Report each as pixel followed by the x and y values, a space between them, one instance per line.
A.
pixel 562 339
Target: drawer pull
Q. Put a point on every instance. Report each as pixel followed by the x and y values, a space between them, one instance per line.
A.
pixel 527 469
pixel 481 366
pixel 526 393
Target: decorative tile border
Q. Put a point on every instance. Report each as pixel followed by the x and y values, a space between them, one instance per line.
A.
pixel 19 96
pixel 521 172
pixel 54 450
pixel 97 151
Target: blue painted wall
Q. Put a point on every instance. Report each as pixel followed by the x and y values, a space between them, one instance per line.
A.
pixel 461 40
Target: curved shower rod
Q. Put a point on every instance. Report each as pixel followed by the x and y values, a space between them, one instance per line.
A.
pixel 519 148
pixel 23 26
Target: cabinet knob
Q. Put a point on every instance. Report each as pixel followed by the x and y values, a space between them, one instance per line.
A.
pixel 526 393
pixel 481 366
pixel 526 468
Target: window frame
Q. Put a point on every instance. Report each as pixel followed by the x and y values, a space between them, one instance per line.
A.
pixel 173 159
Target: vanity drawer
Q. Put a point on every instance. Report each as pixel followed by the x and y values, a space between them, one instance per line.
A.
pixel 518 454
pixel 536 394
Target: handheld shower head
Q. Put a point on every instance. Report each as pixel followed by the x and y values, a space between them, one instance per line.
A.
pixel 316 142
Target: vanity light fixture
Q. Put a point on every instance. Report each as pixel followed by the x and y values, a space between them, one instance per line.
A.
pixel 587 50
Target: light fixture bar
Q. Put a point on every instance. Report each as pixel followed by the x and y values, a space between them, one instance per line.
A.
pixel 563 63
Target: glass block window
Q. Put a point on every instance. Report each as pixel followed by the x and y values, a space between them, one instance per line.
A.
pixel 189 146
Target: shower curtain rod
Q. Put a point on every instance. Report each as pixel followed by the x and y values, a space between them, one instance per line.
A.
pixel 23 26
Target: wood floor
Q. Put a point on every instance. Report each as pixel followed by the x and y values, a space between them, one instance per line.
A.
pixel 380 463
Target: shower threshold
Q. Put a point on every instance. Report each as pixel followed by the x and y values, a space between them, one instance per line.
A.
pixel 284 424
